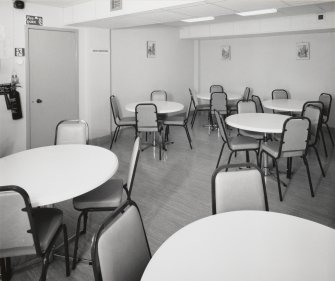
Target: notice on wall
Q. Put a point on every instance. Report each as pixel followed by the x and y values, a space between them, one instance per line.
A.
pixel 34 20
pixel 19 52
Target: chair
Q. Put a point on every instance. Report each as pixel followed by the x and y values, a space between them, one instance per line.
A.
pixel 248 106
pixel 258 102
pixel 216 89
pixel 179 121
pixel 197 107
pixel 293 143
pixel 280 94
pixel 72 132
pixel 246 94
pixel 147 121
pixel 327 100
pixel 119 122
pixel 106 197
pixel 232 106
pixel 219 103
pixel 238 143
pixel 238 190
pixel 313 111
pixel 120 248
pixel 158 95
pixel 27 231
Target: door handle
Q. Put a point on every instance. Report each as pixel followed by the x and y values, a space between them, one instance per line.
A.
pixel 37 101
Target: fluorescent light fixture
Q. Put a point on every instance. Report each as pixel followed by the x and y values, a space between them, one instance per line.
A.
pixel 198 19
pixel 258 12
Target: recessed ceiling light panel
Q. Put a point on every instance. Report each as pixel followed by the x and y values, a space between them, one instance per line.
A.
pixel 199 19
pixel 257 12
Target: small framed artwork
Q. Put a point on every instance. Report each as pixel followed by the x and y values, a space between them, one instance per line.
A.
pixel 225 52
pixel 151 49
pixel 303 51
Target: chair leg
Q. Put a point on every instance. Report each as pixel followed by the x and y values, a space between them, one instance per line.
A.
pixel 257 159
pixel 318 157
pixel 278 181
pixel 5 269
pixel 85 223
pixel 66 250
pixel 117 134
pixel 260 159
pixel 188 135
pixel 160 145
pixel 114 137
pixel 217 164
pixel 75 251
pixel 309 175
pixel 247 158
pixel 45 263
pixel 330 135
pixel 323 141
pixel 289 168
pixel 231 153
pixel 193 117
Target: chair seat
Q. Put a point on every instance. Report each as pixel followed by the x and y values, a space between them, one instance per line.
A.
pixel 47 222
pixel 243 143
pixel 127 121
pixel 107 195
pixel 255 135
pixel 272 147
pixel 202 107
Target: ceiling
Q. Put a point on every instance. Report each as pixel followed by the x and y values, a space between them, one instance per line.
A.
pixel 222 10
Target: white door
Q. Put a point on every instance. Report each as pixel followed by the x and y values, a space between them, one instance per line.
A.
pixel 52 82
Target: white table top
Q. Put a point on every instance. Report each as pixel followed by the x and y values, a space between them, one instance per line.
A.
pixel 56 173
pixel 162 106
pixel 246 245
pixel 291 105
pixel 258 122
pixel 230 96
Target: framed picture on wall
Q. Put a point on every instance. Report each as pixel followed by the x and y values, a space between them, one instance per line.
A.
pixel 151 49
pixel 225 52
pixel 303 51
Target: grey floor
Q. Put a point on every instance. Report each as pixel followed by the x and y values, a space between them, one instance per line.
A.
pixel 176 191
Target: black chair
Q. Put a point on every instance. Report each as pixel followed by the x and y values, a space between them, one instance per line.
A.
pixel 158 95
pixel 238 190
pixel 246 94
pixel 293 143
pixel 327 100
pixel 197 108
pixel 119 122
pixel 180 121
pixel 279 94
pixel 313 111
pixel 26 231
pixel 258 102
pixel 120 248
pixel 218 103
pixel 216 89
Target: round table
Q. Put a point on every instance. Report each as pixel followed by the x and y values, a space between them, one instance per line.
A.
pixel 230 96
pixel 163 107
pixel 258 122
pixel 289 105
pixel 56 173
pixel 246 245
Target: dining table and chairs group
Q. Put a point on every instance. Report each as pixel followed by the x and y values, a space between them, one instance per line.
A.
pixel 241 239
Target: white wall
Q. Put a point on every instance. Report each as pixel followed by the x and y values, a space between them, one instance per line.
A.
pixel 266 63
pixel 12 31
pixel 134 76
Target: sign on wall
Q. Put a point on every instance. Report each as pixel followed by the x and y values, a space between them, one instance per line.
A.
pixel 116 5
pixel 19 52
pixel 34 20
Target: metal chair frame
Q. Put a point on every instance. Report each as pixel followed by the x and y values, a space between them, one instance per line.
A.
pixel 73 120
pixel 197 108
pixel 259 105
pixel 325 118
pixel 158 92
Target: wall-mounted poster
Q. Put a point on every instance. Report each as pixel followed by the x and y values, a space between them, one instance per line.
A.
pixel 303 51
pixel 225 52
pixel 151 49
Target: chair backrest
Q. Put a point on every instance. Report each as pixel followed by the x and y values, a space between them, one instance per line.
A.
pixel 246 94
pixel 216 89
pixel 246 106
pixel 193 100
pixel 188 111
pixel 17 233
pixel 133 165
pixel 259 105
pixel 222 126
pixel 314 113
pixel 120 249
pixel 158 95
pixel 115 109
pixel 146 117
pixel 326 99
pixel 219 102
pixel 238 190
pixel 295 137
pixel 279 94
pixel 72 132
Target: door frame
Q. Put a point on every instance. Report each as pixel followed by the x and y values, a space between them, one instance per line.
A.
pixel 27 67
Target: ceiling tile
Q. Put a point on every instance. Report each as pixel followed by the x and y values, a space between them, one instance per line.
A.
pixel 203 10
pixel 250 5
